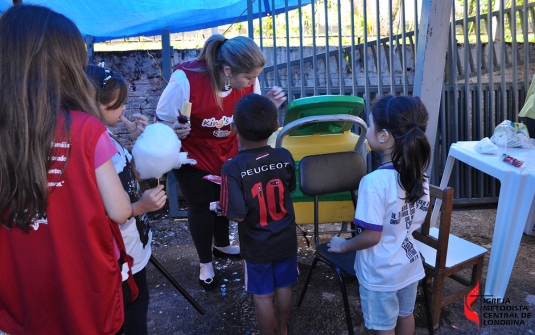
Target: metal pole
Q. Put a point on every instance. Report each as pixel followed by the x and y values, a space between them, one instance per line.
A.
pixel 166 55
pixel 173 282
pixel 90 49
pixel 250 27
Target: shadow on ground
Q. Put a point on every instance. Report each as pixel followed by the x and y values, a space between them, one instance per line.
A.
pixel 229 310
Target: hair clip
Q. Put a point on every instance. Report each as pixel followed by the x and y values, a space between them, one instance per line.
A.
pixel 107 76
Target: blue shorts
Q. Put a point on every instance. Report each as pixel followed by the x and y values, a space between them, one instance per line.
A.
pixel 263 278
pixel 382 309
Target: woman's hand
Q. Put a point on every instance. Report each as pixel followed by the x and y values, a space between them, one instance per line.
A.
pixel 137 126
pixel 181 130
pixel 336 244
pixel 277 95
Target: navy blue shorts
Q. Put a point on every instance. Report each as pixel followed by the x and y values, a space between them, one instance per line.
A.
pixel 262 279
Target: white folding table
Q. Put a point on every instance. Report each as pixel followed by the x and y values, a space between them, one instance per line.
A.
pixel 515 213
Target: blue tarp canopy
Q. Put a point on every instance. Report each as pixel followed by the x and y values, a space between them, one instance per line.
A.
pixel 112 19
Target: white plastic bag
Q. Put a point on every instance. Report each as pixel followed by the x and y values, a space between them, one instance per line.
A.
pixel 511 134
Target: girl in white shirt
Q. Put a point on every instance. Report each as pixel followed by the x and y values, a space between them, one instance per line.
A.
pixel 392 203
pixel 111 94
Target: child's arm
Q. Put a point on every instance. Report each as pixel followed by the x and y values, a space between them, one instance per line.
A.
pixel 369 214
pixel 234 202
pixel 150 201
pixel 115 199
pixel 215 207
pixel 368 238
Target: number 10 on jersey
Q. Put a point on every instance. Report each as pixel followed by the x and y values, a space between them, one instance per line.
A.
pixel 271 200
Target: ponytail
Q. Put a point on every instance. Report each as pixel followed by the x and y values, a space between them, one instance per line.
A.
pixel 406 117
pixel 411 159
pixel 240 53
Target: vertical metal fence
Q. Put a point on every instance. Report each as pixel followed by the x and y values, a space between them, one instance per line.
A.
pixel 368 48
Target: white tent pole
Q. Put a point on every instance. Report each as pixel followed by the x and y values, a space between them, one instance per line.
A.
pixel 430 61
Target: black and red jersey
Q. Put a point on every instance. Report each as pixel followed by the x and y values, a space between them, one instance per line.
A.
pixel 255 187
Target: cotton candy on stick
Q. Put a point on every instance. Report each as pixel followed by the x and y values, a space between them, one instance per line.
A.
pixel 157 151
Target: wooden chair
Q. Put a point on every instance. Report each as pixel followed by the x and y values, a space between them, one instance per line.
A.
pixel 446 255
pixel 324 174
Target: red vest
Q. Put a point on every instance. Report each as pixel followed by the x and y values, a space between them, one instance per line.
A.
pixel 210 142
pixel 63 278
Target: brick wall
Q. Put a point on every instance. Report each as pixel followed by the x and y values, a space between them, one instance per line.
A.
pixel 142 70
pixel 143 73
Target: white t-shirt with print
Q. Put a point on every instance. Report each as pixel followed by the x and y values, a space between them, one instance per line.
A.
pixel 129 231
pixel 395 261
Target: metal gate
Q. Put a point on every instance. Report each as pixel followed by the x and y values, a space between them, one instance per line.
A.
pixel 368 48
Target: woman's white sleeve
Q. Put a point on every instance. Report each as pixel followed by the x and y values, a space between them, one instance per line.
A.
pixel 257 89
pixel 173 97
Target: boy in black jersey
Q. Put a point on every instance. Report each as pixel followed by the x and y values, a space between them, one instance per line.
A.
pixel 255 191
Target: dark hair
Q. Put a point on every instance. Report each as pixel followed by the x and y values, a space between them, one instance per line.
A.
pixel 111 88
pixel 255 116
pixel 405 118
pixel 42 63
pixel 240 53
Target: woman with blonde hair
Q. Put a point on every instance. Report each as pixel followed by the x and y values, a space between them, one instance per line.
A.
pixel 225 71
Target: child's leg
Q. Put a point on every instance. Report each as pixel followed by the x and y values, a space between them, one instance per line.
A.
pixel 405 325
pixel 380 310
pixel 265 314
pixel 267 281
pixel 286 272
pixel 135 316
pixel 407 299
pixel 283 308
pixel 389 313
pixel 259 282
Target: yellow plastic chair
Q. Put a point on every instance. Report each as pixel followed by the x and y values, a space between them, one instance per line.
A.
pixel 320 125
